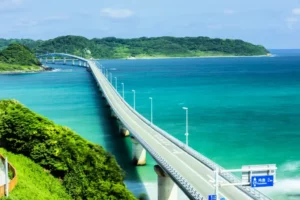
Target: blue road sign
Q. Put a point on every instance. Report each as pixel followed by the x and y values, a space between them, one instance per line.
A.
pixel 212 197
pixel 262 181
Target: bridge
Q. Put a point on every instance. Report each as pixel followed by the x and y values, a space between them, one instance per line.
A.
pixel 178 165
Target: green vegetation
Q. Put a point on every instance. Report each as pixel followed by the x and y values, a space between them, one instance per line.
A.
pixel 4 67
pixel 87 171
pixel 17 57
pixel 33 181
pixel 143 47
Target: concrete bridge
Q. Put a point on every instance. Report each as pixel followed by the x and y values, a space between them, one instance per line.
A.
pixel 178 165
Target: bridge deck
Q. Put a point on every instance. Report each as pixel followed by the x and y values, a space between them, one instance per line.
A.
pixel 196 173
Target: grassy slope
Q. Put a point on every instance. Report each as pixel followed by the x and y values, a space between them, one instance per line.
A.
pixel 5 67
pixel 33 181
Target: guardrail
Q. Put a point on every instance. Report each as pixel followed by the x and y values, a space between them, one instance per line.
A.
pixel 12 183
pixel 203 159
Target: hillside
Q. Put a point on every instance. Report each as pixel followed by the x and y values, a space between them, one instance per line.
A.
pixel 143 47
pixel 33 181
pixel 86 170
pixel 17 57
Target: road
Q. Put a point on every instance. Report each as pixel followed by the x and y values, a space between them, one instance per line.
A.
pixel 196 173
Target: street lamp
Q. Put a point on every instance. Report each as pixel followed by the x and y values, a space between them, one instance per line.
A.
pixel 151 109
pixel 133 99
pixel 123 90
pixel 106 73
pixel 187 125
pixel 116 84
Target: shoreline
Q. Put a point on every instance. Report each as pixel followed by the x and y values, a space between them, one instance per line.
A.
pixel 43 68
pixel 189 57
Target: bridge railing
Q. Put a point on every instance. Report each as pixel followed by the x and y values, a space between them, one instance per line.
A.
pixel 203 159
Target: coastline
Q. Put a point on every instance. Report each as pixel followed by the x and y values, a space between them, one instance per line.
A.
pixel 144 58
pixel 189 57
pixel 43 68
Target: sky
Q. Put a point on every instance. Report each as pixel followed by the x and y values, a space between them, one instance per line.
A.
pixel 272 23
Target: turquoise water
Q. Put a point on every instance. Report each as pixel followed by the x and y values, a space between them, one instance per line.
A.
pixel 241 110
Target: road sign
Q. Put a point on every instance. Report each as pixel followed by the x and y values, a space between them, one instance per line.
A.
pixel 212 197
pixel 249 171
pixel 262 181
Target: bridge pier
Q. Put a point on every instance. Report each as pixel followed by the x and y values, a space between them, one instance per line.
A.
pixel 166 188
pixel 53 60
pixel 64 60
pixel 73 63
pixel 79 62
pixel 138 153
pixel 123 130
pixel 46 59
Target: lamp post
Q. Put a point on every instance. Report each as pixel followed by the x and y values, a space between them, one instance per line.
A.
pixel 133 99
pixel 116 84
pixel 123 90
pixel 186 126
pixel 151 109
pixel 106 73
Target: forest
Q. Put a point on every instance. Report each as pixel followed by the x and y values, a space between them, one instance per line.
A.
pixel 117 48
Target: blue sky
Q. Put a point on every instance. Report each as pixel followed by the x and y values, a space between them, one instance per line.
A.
pixel 272 23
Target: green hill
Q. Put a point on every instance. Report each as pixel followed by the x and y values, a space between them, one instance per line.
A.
pixel 87 171
pixel 143 47
pixel 33 181
pixel 17 57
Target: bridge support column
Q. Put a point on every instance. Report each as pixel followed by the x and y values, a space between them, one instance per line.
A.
pixel 138 153
pixel 123 130
pixel 167 189
pixel 79 62
pixel 64 61
pixel 46 59
pixel 53 60
pixel 73 63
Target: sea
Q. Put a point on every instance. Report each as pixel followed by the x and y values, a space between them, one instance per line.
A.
pixel 242 110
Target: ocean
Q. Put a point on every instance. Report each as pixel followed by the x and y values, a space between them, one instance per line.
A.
pixel 242 111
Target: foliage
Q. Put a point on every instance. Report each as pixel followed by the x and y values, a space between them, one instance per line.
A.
pixel 18 54
pixel 4 67
pixel 87 170
pixel 33 181
pixel 144 47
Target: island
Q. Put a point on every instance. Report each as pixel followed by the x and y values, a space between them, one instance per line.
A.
pixel 144 47
pixel 17 58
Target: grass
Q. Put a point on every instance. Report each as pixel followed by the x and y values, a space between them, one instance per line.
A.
pixel 4 67
pixel 33 181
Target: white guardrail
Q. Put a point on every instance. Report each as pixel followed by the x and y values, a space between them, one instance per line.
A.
pixel 255 194
pixel 181 181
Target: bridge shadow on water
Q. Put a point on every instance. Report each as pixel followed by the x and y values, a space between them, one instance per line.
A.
pixel 118 145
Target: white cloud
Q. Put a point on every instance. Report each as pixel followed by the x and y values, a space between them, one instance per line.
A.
pixel 228 12
pixel 296 11
pixel 116 13
pixel 291 21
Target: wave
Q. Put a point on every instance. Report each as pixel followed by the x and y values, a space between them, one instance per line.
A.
pixel 291 166
pixel 61 70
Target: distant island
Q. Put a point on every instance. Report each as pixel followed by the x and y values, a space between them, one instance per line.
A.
pixel 18 58
pixel 153 47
